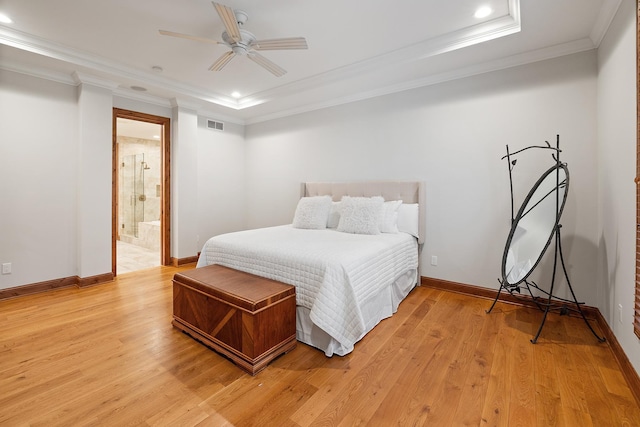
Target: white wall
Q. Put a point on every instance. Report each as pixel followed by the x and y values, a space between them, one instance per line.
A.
pixel 38 177
pixel 55 178
pixel 94 182
pixel 207 181
pixel 220 186
pixel 184 185
pixel 617 123
pixel 452 136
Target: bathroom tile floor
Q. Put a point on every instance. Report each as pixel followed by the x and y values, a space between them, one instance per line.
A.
pixel 133 258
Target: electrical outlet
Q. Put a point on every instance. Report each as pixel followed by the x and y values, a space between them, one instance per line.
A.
pixel 434 260
pixel 620 313
pixel 6 268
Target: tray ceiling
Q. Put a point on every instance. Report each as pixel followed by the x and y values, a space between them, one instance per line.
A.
pixel 355 51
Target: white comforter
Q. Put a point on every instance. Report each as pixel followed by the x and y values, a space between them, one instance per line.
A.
pixel 334 273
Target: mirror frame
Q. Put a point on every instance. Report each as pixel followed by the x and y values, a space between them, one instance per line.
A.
pixel 521 211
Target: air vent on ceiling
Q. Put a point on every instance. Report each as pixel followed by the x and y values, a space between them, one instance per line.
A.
pixel 212 124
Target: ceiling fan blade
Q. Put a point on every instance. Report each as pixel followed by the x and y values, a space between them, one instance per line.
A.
pixel 188 37
pixel 222 61
pixel 280 44
pixel 228 17
pixel 268 65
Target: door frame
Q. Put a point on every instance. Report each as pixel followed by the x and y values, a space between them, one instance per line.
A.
pixel 636 310
pixel 165 202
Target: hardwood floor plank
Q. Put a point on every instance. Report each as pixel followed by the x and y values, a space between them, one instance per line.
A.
pixel 363 392
pixel 593 389
pixel 548 404
pixel 339 370
pixel 285 381
pixel 437 356
pixel 495 411
pixel 185 413
pixel 108 355
pixel 397 402
pixel 465 335
pixel 469 409
pixel 393 406
pixel 522 387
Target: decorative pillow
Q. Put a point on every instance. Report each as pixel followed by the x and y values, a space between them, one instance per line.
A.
pixel 334 215
pixel 389 217
pixel 360 215
pixel 312 212
pixel 409 219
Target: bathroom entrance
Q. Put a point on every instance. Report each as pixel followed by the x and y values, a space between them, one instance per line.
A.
pixel 140 194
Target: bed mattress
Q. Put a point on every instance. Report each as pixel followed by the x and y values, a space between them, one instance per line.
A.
pixel 340 278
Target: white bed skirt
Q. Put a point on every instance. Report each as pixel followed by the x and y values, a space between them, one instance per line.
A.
pixel 377 308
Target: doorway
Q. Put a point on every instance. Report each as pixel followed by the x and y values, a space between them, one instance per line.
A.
pixel 141 196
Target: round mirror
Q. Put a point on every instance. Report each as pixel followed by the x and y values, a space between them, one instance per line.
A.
pixel 535 224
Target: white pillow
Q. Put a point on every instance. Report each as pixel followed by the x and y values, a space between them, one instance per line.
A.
pixel 312 212
pixel 389 217
pixel 334 215
pixel 409 219
pixel 360 215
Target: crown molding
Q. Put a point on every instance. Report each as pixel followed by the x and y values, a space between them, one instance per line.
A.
pixel 486 67
pixel 41 73
pixel 496 28
pixel 199 98
pixel 47 48
pixel 88 79
pixel 183 104
pixel 499 27
pixel 605 18
pixel 203 112
pixel 142 97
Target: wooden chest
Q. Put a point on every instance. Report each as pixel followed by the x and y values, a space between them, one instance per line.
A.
pixel 249 319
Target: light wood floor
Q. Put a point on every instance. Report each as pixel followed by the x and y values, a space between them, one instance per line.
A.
pixel 108 355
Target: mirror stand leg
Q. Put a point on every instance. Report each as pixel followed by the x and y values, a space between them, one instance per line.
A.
pixel 547 307
pixel 553 281
pixel 575 300
pixel 496 298
pixel 544 318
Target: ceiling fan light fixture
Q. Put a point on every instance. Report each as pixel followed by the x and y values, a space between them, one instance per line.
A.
pixel 239 49
pixel 241 16
pixel 281 44
pixel 268 65
pixel 229 20
pixel 242 42
pixel 483 12
pixel 222 61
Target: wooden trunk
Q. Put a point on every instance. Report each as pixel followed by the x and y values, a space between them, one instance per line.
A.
pixel 249 319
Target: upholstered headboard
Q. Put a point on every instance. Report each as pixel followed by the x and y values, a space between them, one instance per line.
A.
pixel 407 191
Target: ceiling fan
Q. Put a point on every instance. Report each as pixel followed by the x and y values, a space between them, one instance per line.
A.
pixel 242 42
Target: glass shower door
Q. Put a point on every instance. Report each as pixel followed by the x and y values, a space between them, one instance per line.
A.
pixel 132 196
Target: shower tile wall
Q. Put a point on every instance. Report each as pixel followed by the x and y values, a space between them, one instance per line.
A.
pixel 127 149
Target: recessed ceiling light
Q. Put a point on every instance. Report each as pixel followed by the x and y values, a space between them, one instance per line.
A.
pixel 139 88
pixel 156 136
pixel 235 94
pixel 5 19
pixel 157 68
pixel 483 12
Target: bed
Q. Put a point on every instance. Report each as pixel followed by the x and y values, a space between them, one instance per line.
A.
pixel 348 277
